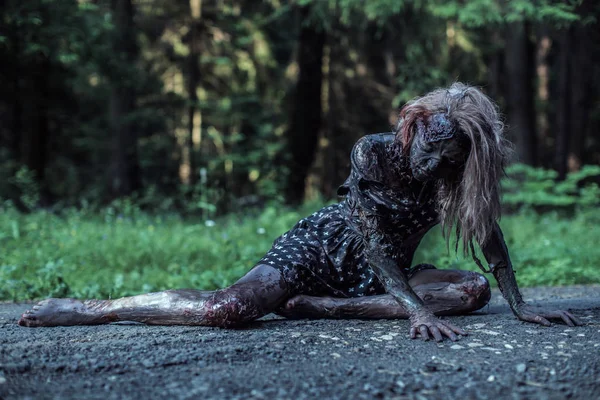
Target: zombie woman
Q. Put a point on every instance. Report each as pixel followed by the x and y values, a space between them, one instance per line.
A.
pixel 442 164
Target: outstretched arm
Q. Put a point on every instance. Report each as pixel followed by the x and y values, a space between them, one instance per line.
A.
pixel 496 254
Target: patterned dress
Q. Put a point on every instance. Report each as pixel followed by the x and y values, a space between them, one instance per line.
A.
pixel 324 254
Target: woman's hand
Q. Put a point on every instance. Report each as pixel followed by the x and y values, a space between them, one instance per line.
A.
pixel 539 315
pixel 424 323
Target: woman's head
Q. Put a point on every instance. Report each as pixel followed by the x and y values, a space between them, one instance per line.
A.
pixel 438 149
pixel 455 136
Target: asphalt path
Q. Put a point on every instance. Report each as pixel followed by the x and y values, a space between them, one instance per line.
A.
pixel 310 359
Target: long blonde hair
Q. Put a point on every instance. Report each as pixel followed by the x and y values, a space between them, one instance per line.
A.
pixel 469 206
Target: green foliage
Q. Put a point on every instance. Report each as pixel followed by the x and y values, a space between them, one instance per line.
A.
pixel 470 13
pixel 538 188
pixel 546 249
pixel 25 183
pixel 71 43
pixel 121 250
pixel 483 13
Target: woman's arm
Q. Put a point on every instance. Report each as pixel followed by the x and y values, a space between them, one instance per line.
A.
pixel 391 276
pixel 496 254
pixel 422 320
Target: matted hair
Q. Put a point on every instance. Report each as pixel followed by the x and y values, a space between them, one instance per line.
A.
pixel 469 206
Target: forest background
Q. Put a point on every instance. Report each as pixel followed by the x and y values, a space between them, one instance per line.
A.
pixel 153 144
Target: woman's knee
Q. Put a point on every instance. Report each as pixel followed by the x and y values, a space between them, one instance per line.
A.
pixel 228 308
pixel 458 292
pixel 242 303
pixel 259 292
pixel 476 291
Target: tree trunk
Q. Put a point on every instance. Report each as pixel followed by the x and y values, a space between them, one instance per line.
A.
pixel 16 70
pixel 306 116
pixel 581 86
pixel 332 165
pixel 520 94
pixel 563 110
pixel 193 79
pixel 35 138
pixel 496 67
pixel 545 129
pixel 124 178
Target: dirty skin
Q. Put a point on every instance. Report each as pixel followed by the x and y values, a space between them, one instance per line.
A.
pixel 261 291
pixel 456 293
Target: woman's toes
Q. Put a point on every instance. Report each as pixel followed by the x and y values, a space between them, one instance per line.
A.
pixel 27 320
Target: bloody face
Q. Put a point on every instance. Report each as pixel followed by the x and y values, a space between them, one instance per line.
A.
pixel 440 159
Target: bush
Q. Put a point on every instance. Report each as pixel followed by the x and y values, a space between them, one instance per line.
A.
pixel 538 188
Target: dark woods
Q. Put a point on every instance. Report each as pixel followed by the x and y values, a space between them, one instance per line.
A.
pixel 215 104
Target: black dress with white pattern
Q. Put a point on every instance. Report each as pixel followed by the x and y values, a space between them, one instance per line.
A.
pixel 323 254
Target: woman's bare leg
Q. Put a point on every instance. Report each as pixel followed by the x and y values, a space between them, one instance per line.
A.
pixel 259 292
pixel 445 292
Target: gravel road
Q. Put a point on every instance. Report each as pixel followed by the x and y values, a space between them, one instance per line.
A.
pixel 323 359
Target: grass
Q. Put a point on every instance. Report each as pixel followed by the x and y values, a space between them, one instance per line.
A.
pixel 91 254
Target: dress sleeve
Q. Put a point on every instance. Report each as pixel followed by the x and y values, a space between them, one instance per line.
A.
pixel 368 157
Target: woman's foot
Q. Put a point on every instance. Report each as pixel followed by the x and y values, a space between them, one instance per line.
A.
pixel 64 312
pixel 302 306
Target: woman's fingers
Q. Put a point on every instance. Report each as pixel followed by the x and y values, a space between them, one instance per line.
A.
pixel 437 331
pixel 413 333
pixel 429 327
pixel 573 318
pixel 448 332
pixel 563 315
pixel 424 331
pixel 437 335
pixel 455 329
pixel 538 319
pixel 541 316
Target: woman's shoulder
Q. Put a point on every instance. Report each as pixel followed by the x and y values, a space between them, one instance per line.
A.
pixel 373 143
pixel 370 155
